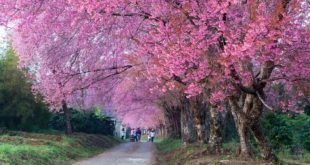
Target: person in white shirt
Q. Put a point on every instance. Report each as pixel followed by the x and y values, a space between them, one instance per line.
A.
pixel 133 135
pixel 148 136
pixel 152 135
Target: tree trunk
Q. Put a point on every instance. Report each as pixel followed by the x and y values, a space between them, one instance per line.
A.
pixel 67 118
pixel 248 111
pixel 177 123
pixel 162 130
pixel 173 123
pixel 216 135
pixel 242 129
pixel 254 114
pixel 248 119
pixel 263 144
pixel 188 132
pixel 244 138
pixel 207 125
pixel 199 115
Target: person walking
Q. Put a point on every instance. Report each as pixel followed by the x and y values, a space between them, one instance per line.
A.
pixel 138 134
pixel 133 135
pixel 152 135
pixel 148 136
pixel 123 134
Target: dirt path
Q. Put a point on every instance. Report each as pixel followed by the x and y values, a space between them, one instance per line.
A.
pixel 131 153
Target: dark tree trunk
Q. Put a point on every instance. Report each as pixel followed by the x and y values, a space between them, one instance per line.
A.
pixel 67 118
pixel 162 130
pixel 188 132
pixel 173 121
pixel 199 115
pixel 263 144
pixel 216 134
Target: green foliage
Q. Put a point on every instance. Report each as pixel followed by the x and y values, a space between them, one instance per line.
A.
pixel 44 149
pixel 98 112
pixel 278 131
pixel 230 131
pixel 84 121
pixel 287 156
pixel 300 126
pixel 231 147
pixel 286 131
pixel 19 108
pixel 307 110
pixel 167 145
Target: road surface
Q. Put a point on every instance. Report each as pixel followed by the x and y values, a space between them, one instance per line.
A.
pixel 132 153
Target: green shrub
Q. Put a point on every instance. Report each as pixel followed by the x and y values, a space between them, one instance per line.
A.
pixel 278 132
pixel 88 122
pixel 285 131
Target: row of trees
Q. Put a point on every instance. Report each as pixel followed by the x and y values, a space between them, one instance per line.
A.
pixel 194 121
pixel 189 59
pixel 21 110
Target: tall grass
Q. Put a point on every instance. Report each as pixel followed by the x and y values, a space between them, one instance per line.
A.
pixel 43 149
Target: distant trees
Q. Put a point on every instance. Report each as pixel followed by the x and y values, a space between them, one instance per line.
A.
pixel 84 121
pixel 19 108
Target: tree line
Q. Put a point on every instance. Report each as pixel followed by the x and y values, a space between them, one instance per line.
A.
pixel 194 121
pixel 21 109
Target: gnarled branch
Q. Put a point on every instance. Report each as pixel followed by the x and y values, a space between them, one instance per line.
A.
pixel 264 103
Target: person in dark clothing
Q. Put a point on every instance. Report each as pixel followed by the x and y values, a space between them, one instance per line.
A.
pixel 123 134
pixel 138 135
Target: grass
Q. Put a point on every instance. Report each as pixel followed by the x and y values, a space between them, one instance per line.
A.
pixel 172 152
pixel 20 148
pixel 145 139
pixel 286 156
pixel 168 145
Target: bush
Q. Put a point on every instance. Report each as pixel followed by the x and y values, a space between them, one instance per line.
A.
pixel 300 127
pixel 284 131
pixel 88 122
pixel 279 133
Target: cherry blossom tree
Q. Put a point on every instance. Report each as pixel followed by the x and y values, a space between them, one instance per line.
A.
pixel 232 49
pixel 53 41
pixel 135 104
pixel 229 50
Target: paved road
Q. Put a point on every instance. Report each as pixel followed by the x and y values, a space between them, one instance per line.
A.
pixel 132 153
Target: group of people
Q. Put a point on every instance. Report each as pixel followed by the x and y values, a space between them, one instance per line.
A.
pixel 151 135
pixel 135 134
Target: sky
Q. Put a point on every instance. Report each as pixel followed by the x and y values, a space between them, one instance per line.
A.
pixel 2 34
pixel 3 39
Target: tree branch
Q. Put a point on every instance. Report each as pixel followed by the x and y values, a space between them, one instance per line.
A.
pixel 178 79
pixel 264 103
pixel 238 84
pixel 287 79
